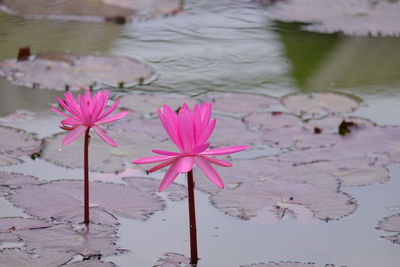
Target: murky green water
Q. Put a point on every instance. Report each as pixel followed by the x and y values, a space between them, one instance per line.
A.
pixel 231 45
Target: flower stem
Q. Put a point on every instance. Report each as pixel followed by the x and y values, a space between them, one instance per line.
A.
pixel 192 219
pixel 86 178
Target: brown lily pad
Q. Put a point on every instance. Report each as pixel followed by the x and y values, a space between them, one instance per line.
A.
pixel 102 157
pixel 69 71
pixel 319 104
pixel 391 224
pixel 15 143
pixel 10 181
pixel 259 185
pixel 63 201
pixel 86 241
pixel 21 258
pixel 282 264
pixel 118 11
pixel 351 17
pixel 238 104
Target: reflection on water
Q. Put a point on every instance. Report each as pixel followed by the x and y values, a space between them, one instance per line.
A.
pixel 230 45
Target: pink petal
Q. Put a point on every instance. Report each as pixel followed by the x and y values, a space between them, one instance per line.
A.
pixel 153 159
pixel 99 104
pixel 104 135
pixel 68 108
pixel 218 161
pixel 209 171
pixel 169 119
pixel 58 112
pixel 74 134
pixel 184 164
pixel 186 130
pixel 113 118
pixel 162 165
pixel 169 177
pixel 72 105
pixel 224 150
pixel 71 121
pixel 200 148
pixel 205 111
pixel 85 109
pixel 109 110
pixel 207 132
pixel 166 153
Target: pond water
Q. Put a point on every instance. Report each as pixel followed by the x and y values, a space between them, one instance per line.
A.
pixel 229 46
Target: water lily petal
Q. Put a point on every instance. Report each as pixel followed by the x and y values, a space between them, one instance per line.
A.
pixel 104 135
pixel 169 177
pixel 219 162
pixel 74 134
pixel 186 130
pixel 166 153
pixel 224 150
pixel 153 159
pixel 58 112
pixel 112 118
pixel 109 110
pixel 207 132
pixel 162 165
pixel 171 125
pixel 200 148
pixel 71 121
pixel 184 164
pixel 209 171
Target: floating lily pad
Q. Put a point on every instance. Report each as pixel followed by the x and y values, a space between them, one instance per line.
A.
pixel 91 263
pixel 255 185
pixel 319 104
pixel 118 11
pixel 18 116
pixel 15 143
pixel 102 157
pixel 271 120
pixel 20 258
pixel 332 124
pixel 147 104
pixel 94 240
pixel 62 201
pixel 171 259
pixel 282 264
pixel 69 71
pixel 391 224
pixel 238 104
pixel 9 180
pixel 175 192
pixel 351 17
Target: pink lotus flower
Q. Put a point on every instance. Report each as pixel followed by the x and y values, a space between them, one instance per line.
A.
pixel 189 131
pixel 88 112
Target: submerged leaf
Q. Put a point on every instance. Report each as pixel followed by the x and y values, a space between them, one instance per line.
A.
pixel 282 264
pixel 62 201
pixel 10 180
pixel 68 71
pixel 173 260
pixel 391 224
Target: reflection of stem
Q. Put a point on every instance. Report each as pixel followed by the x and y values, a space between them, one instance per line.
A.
pixel 86 178
pixel 192 219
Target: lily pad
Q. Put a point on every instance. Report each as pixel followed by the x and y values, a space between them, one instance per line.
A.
pixel 319 104
pixel 282 264
pixel 171 259
pixel 92 263
pixel 10 180
pixel 85 241
pixel 70 71
pixel 391 224
pixel 102 157
pixel 15 143
pixel 174 191
pixel 21 258
pixel 147 104
pixel 351 17
pixel 118 11
pixel 259 185
pixel 62 201
pixel 271 120
pixel 238 104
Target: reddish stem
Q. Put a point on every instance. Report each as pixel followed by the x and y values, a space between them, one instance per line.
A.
pixel 86 178
pixel 192 219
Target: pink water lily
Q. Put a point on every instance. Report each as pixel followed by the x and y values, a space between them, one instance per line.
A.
pixel 88 112
pixel 190 132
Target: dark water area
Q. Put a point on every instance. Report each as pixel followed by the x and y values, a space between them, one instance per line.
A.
pixel 229 46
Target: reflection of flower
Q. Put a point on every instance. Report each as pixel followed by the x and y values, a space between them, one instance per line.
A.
pixel 87 113
pixel 189 131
